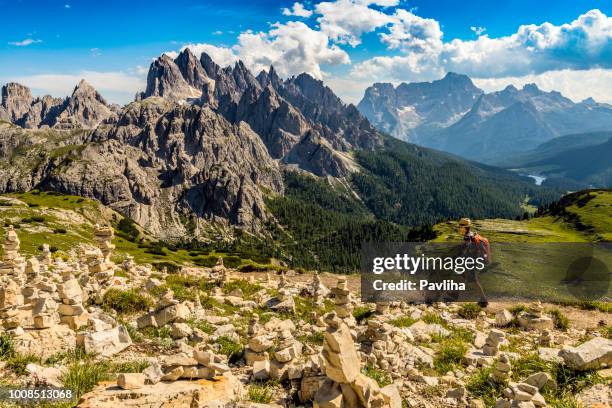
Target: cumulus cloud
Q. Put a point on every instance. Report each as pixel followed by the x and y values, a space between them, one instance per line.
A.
pixel 116 86
pixel 582 44
pixel 292 48
pixel 478 30
pixel 221 55
pixel 297 10
pixel 575 84
pixel 345 21
pixel 25 43
pixel 412 33
pixel 416 47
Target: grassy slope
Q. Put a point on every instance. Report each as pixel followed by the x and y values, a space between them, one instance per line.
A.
pixel 581 217
pixel 76 216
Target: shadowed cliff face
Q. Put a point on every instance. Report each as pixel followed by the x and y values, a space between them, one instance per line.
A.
pixel 85 108
pixel 200 143
pixel 162 163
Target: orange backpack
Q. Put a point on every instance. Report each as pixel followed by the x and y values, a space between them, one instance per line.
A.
pixel 484 249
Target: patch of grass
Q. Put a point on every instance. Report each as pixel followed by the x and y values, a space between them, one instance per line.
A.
pixel 230 348
pixel 7 347
pixel 126 301
pixel 378 375
pixel 260 393
pixel 315 338
pixel 362 313
pixel 449 355
pixel 248 289
pixel 479 385
pixel 157 332
pixel 433 318
pixel 569 381
pixel 404 321
pixel 202 325
pixel 560 320
pixel 76 354
pixel 527 365
pixel 82 377
pixel 432 391
pixel 515 310
pixel 469 310
pixel 134 366
pixel 18 362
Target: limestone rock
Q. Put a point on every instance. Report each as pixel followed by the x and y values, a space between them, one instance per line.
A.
pixel 178 394
pixel 593 354
pixel 105 343
pixel 130 381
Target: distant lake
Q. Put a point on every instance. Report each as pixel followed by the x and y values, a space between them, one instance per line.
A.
pixel 538 179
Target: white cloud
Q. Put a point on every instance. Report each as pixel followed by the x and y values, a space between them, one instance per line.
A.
pixel 118 87
pixel 345 21
pixel 291 47
pixel 478 30
pixel 25 43
pixel 218 32
pixel 221 55
pixel 576 85
pixel 584 43
pixel 297 10
pixel 67 6
pixel 412 33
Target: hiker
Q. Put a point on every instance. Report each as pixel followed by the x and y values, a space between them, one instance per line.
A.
pixel 475 246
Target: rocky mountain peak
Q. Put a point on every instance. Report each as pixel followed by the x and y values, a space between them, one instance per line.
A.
pixel 166 79
pixel 16 100
pixel 84 108
pixel 210 67
pixel 270 78
pixel 192 69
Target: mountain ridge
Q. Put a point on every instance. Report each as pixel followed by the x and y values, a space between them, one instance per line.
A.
pixel 209 146
pixel 491 127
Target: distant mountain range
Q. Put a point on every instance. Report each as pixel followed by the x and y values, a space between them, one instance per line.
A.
pixel 207 151
pixel 453 115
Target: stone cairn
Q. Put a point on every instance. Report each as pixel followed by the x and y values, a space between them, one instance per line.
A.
pixel 345 385
pixel 189 364
pixel 71 310
pixel 523 395
pixel 502 370
pixel 286 352
pixel 382 308
pixel 13 264
pixel 546 339
pixel 168 310
pixel 219 272
pixel 390 348
pixel 317 289
pixel 46 258
pixel 129 265
pixel 30 289
pixel 101 265
pixel 12 277
pixel 10 301
pixel 491 347
pixel 342 302
pixel 535 319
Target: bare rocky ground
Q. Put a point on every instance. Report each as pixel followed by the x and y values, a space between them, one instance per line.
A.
pixel 215 337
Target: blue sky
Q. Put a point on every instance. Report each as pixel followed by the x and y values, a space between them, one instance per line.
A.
pixel 48 45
